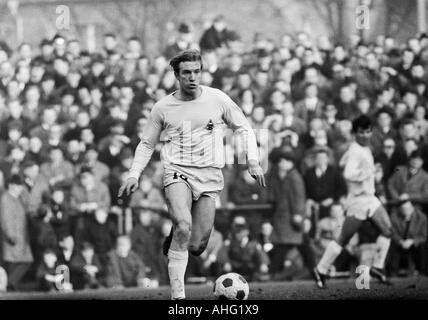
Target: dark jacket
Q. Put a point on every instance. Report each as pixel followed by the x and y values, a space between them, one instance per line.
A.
pixel 124 271
pixel 416 230
pixel 289 199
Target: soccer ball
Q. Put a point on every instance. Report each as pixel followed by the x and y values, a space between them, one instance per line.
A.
pixel 231 286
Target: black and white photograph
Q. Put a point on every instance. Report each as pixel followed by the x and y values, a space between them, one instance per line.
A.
pixel 226 151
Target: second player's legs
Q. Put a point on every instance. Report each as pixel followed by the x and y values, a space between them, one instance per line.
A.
pixel 381 220
pixel 349 228
pixel 203 213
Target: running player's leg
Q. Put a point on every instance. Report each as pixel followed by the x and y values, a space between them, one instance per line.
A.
pixel 381 219
pixel 203 213
pixel 179 200
pixel 349 228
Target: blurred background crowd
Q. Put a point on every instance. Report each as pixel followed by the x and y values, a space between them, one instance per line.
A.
pixel 70 121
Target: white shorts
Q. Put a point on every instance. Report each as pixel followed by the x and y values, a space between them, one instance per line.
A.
pixel 201 181
pixel 361 207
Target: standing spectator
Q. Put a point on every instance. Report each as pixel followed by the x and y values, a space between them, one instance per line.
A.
pixel 382 130
pixel 14 226
pixel 124 267
pixel 35 183
pixel 409 234
pixel 288 219
pixel 144 238
pixel 215 36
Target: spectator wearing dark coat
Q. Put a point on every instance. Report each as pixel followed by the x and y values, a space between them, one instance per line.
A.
pixel 411 181
pixel 216 36
pixel 409 235
pixel 245 191
pixel 289 213
pixel 86 268
pixel 124 267
pixel 17 254
pixel 241 254
pixel 323 183
pixel 100 232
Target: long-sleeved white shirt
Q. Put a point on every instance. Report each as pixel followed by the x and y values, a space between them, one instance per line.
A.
pixel 192 131
pixel 359 170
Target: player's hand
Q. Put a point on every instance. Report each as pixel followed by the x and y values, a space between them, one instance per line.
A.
pixel 128 187
pixel 257 173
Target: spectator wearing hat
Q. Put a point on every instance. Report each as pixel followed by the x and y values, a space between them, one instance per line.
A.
pixel 242 254
pixel 289 214
pixel 17 254
pixel 409 234
pixel 411 181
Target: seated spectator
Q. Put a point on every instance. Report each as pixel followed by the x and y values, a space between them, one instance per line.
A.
pixel 87 196
pixel 409 234
pixel 245 191
pixel 60 208
pixel 86 268
pixel 49 276
pixel 147 196
pixel 67 250
pixel 124 266
pixel 90 160
pixel 241 254
pixel 411 181
pixel 57 170
pixel 17 256
pixel 100 232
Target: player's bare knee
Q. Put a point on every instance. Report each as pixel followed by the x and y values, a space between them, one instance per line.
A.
pixel 182 231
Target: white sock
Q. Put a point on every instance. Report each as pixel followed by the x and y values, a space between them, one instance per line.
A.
pixel 177 264
pixel 330 254
pixel 382 244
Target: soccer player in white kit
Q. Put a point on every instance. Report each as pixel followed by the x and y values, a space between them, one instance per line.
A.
pixel 190 123
pixel 361 204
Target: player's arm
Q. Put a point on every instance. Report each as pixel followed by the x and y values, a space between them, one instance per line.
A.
pixel 143 153
pixel 236 120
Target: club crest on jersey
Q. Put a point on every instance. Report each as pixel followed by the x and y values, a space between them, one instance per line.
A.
pixel 210 125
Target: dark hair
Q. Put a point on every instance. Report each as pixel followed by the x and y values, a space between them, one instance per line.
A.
pixel 185 56
pixel 14 179
pixel 416 154
pixel 361 122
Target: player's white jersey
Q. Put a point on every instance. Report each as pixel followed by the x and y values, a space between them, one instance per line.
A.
pixel 192 131
pixel 358 170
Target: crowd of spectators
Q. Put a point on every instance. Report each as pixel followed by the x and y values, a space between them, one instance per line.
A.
pixel 70 120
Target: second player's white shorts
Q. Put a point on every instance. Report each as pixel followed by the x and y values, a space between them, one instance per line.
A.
pixel 361 207
pixel 201 181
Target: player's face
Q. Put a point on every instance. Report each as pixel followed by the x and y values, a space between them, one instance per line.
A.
pixel 189 76
pixel 363 136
